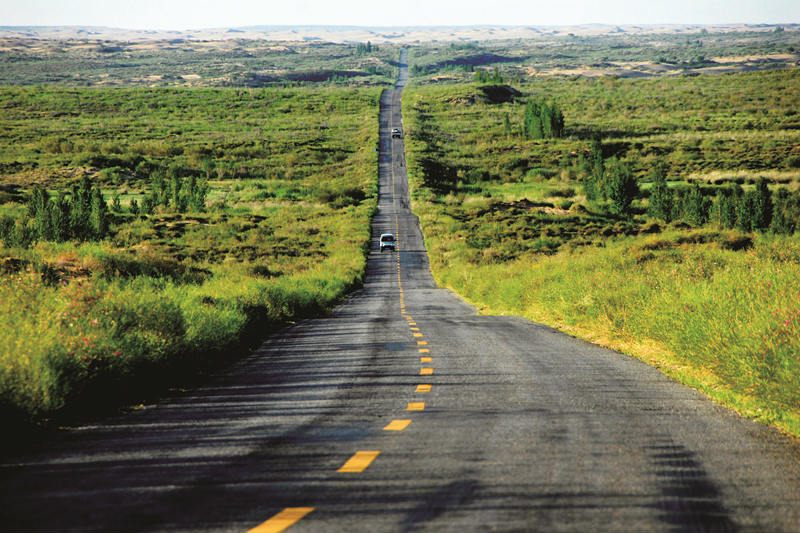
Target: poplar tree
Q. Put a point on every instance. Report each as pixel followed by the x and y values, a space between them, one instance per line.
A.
pixel 622 187
pixel 763 207
pixel 661 196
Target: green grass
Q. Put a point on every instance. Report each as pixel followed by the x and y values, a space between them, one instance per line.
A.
pixel 91 325
pixel 723 321
pixel 508 227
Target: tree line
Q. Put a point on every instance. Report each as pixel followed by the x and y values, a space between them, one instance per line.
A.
pixel 83 214
pixel 758 209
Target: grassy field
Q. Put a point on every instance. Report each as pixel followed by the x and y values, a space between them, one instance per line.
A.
pixel 510 228
pixel 173 287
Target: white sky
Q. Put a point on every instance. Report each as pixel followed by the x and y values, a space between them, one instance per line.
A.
pixel 198 14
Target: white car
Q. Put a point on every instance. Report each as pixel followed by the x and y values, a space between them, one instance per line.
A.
pixel 397 133
pixel 388 242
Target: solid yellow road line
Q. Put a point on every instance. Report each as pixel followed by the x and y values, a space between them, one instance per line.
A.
pixel 418 334
pixel 397 425
pixel 359 462
pixel 423 388
pixel 424 350
pixel 414 329
pixel 283 520
pixel 422 343
pixel 415 406
pixel 426 371
pixel 412 323
pixel 426 359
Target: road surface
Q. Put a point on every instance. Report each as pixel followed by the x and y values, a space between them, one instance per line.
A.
pixel 405 411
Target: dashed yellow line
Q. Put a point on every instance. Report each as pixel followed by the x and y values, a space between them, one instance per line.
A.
pixel 425 371
pixel 359 462
pixel 414 329
pixel 397 425
pixel 418 335
pixel 424 350
pixel 415 406
pixel 283 520
pixel 423 388
pixel 426 359
pixel 422 343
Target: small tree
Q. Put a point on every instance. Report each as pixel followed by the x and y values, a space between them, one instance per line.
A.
pixel 763 207
pixel 543 121
pixel 745 211
pixel 661 196
pixel 729 206
pixel 98 219
pixel 696 206
pixel 622 187
pixel 780 223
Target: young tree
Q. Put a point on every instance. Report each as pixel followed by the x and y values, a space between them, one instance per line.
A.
pixel 780 223
pixel 745 211
pixel 729 206
pixel 696 206
pixel 543 121
pixel 661 196
pixel 98 219
pixel 762 210
pixel 594 183
pixel 622 187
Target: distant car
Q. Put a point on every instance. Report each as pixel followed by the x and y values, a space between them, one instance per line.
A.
pixel 397 133
pixel 388 242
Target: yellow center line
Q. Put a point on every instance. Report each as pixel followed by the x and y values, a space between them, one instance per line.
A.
pixel 359 462
pixel 422 343
pixel 283 520
pixel 423 388
pixel 424 350
pixel 397 425
pixel 414 329
pixel 426 371
pixel 426 359
pixel 418 334
pixel 415 406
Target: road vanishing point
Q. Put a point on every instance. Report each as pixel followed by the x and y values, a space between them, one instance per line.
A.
pixel 403 410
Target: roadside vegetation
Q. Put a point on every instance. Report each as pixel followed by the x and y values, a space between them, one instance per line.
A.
pixel 147 233
pixel 663 222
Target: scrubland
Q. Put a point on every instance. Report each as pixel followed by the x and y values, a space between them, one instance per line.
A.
pixel 524 226
pixel 173 287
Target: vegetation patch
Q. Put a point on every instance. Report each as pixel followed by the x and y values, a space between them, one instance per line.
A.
pixel 606 232
pixel 140 246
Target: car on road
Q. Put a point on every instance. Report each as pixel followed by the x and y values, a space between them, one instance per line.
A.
pixel 397 133
pixel 388 242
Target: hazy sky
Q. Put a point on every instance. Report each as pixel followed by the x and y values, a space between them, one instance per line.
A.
pixel 196 14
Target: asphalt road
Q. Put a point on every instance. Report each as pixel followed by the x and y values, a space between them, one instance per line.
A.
pixel 340 425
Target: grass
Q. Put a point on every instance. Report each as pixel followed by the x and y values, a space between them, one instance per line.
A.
pixel 508 227
pixel 284 234
pixel 725 322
